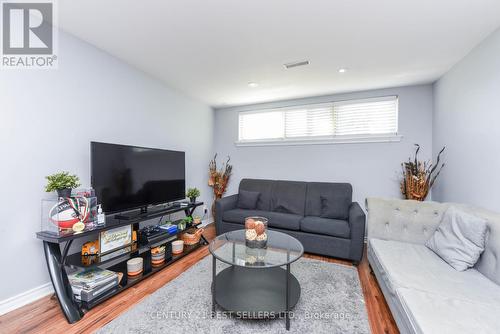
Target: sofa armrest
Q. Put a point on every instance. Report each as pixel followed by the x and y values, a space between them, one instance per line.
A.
pixel 357 219
pixel 222 205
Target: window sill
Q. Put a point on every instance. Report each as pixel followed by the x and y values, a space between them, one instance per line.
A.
pixel 321 141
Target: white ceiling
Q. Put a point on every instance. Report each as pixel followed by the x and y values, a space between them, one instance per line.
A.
pixel 211 50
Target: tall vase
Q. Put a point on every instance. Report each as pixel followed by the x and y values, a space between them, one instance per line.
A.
pixel 216 197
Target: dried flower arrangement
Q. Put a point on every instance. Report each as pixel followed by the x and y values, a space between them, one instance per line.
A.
pixel 218 179
pixel 419 176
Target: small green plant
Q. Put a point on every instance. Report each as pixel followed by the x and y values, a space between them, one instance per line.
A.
pixel 193 193
pixel 61 181
pixel 187 220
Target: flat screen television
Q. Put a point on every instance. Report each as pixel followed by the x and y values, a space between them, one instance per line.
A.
pixel 130 177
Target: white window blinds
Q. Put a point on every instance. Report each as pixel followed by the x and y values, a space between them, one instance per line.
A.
pixel 309 122
pixel 367 117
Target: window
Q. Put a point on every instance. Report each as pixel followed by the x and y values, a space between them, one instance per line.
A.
pixel 261 125
pixel 366 120
pixel 368 117
pixel 309 122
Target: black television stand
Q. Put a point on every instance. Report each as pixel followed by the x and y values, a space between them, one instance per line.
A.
pixel 58 259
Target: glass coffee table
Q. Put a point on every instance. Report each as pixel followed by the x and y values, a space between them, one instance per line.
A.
pixel 254 285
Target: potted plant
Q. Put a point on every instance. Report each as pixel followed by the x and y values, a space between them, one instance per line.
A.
pixel 184 223
pixel 62 182
pixel 192 193
pixel 419 176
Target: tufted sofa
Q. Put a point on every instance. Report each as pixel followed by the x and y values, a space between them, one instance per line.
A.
pixel 295 208
pixel 424 293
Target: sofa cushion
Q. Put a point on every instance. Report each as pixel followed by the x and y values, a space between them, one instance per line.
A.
pixel 275 219
pixel 433 313
pixel 289 197
pixel 459 239
pixel 332 227
pixel 329 208
pixel 338 196
pixel 248 199
pixel 264 187
pixel 414 266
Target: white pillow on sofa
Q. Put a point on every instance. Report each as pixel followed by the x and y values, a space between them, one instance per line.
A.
pixel 459 239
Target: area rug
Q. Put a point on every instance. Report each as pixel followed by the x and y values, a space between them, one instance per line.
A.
pixel 331 301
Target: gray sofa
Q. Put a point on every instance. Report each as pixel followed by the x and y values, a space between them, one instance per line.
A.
pixel 296 208
pixel 424 293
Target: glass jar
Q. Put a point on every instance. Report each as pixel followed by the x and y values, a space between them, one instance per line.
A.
pixel 255 257
pixel 256 232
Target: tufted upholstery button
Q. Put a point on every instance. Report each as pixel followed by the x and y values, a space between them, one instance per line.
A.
pixel 436 213
pixel 405 227
pixel 387 224
pixel 425 230
pixel 416 211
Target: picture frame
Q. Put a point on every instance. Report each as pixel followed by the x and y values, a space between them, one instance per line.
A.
pixel 116 238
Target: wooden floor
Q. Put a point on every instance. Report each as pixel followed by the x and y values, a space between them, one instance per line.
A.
pixel 44 315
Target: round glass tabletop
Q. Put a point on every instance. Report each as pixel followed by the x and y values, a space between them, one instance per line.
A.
pixel 281 250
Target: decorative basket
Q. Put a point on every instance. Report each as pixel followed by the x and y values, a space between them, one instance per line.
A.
pixel 192 238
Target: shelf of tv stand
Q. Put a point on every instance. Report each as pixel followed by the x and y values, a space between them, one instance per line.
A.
pixel 111 223
pixel 79 261
pixel 127 282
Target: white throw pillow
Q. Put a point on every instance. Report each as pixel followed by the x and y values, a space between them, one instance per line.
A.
pixel 459 239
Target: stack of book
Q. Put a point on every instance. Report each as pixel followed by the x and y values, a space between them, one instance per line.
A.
pixel 89 284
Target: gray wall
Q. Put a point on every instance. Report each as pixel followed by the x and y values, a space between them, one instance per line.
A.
pixel 48 118
pixel 466 120
pixel 372 168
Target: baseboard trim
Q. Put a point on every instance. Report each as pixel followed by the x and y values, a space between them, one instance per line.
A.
pixel 24 298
